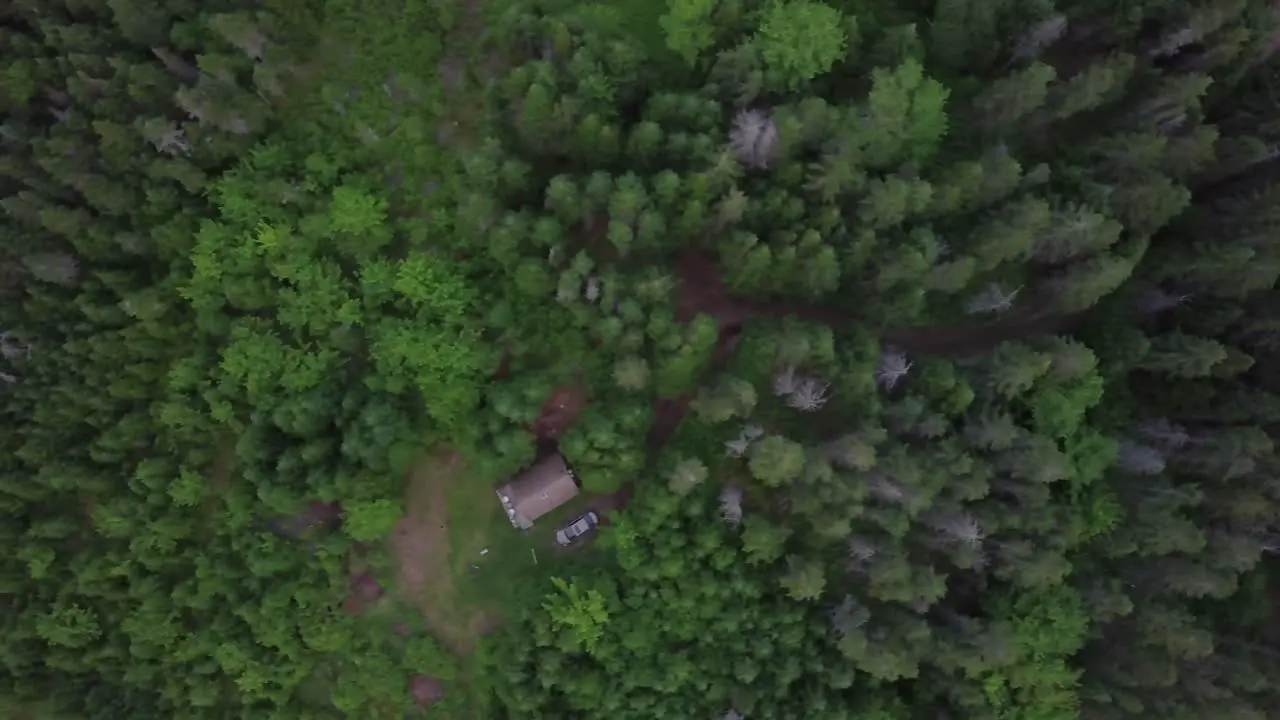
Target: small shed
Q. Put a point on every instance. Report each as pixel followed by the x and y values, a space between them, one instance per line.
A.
pixel 545 486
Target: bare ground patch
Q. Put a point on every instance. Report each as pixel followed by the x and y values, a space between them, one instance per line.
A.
pixel 422 549
pixel 365 590
pixel 426 690
pixel 560 411
pixel 703 292
pixel 318 514
pixel 613 502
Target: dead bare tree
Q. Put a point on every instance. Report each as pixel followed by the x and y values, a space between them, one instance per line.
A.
pixel 861 551
pixel 959 527
pixel 809 395
pixel 739 446
pixel 731 504
pixel 848 616
pixel 992 299
pixel 1167 434
pixel 893 367
pixel 1140 459
pixel 754 138
pixel 784 381
pixel 1040 36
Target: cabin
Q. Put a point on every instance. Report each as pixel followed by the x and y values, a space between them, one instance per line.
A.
pixel 543 487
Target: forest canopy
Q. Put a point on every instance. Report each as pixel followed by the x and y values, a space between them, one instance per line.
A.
pixel 916 356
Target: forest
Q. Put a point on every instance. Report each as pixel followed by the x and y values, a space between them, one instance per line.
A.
pixel 903 346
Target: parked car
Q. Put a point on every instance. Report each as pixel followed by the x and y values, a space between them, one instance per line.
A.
pixel 576 530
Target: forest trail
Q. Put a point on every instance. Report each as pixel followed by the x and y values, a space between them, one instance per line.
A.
pixel 560 411
pixel 703 291
pixel 668 413
pixel 223 466
pixel 966 340
pixel 422 549
pixel 464 65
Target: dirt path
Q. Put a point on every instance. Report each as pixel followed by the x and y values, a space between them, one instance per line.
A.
pixel 560 411
pixel 668 413
pixel 421 544
pixel 464 68
pixel 966 340
pixel 702 291
pixel 422 535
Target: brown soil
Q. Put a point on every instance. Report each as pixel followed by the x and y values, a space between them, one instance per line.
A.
pixel 318 514
pixel 560 411
pixel 485 623
pixel 422 548
pixel 421 539
pixel 966 340
pixel 702 292
pixel 426 689
pixel 668 413
pixel 365 586
pixel 613 502
pixel 364 590
pixel 504 368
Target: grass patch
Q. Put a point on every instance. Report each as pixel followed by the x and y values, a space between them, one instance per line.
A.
pixel 452 518
pixel 452 515
pixel 518 562
pixel 398 86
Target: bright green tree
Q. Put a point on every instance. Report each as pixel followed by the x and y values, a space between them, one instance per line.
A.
pixel 800 39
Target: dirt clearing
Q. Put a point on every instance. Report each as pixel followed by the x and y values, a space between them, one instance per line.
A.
pixel 423 552
pixel 426 689
pixel 560 411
